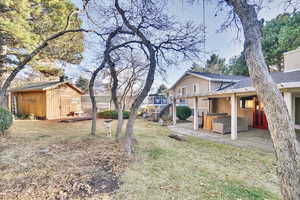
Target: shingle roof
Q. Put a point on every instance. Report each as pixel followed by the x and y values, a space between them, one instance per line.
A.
pixel 35 86
pixel 41 86
pixel 278 77
pixel 218 76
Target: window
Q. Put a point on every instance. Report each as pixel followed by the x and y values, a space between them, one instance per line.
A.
pixel 195 88
pixel 179 91
pixel 247 104
pixel 182 101
pixel 183 91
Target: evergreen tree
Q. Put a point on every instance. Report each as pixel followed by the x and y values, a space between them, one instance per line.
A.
pixel 237 66
pixel 280 35
pixel 161 88
pixel 26 23
pixel 82 83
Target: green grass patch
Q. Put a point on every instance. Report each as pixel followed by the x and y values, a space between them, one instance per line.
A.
pixel 156 152
pixel 195 169
pixel 236 190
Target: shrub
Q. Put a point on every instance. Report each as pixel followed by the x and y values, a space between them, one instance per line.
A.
pixel 6 120
pixel 112 114
pixel 183 112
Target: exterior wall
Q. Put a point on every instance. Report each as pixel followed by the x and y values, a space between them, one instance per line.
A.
pixel 291 60
pixel 189 82
pixel 223 106
pixel 61 101
pixel 31 103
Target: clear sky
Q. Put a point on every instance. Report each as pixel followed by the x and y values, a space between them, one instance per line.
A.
pixel 223 43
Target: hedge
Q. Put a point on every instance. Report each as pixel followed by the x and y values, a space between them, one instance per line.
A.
pixel 183 112
pixel 112 114
pixel 6 120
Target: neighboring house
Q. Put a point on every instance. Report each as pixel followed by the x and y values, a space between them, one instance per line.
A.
pixel 239 99
pixel 46 100
pixel 104 102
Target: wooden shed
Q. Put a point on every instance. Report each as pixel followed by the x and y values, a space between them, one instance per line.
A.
pixel 46 100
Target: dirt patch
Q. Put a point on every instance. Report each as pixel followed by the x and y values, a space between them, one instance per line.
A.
pixel 60 167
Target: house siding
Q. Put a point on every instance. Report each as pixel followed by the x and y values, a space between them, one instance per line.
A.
pixel 61 101
pixel 33 102
pixel 189 82
pixel 222 105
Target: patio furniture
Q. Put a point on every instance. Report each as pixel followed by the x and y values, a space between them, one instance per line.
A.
pixel 223 125
pixel 209 117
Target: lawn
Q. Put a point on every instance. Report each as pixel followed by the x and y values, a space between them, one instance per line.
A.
pixel 47 160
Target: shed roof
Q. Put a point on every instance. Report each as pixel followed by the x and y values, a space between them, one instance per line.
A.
pixel 42 86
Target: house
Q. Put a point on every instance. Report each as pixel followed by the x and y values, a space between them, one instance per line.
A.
pixel 46 100
pixel 193 82
pixel 104 102
pixel 236 97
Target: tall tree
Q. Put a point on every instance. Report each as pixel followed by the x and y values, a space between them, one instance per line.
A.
pixel 280 123
pixel 82 83
pixel 161 39
pixel 26 24
pixel 215 64
pixel 128 79
pixel 237 66
pixel 280 35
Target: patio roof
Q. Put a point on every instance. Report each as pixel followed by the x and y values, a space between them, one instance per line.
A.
pixel 284 80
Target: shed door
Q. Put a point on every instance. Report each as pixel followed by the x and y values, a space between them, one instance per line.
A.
pixel 65 105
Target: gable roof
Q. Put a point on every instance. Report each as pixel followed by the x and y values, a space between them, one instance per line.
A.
pixel 210 77
pixel 42 86
pixel 217 77
pixel 278 77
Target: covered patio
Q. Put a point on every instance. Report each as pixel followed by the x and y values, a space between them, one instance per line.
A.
pixel 237 106
pixel 253 138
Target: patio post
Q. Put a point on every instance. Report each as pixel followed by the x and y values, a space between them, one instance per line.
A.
pixel 233 117
pixel 288 98
pixel 196 118
pixel 174 111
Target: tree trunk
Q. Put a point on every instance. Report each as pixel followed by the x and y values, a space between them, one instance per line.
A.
pixel 94 104
pixel 280 123
pixel 120 123
pixel 128 143
pixel 114 97
pixel 148 82
pixel 3 99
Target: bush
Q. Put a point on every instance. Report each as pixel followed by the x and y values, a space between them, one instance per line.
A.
pixel 112 114
pixel 6 119
pixel 183 112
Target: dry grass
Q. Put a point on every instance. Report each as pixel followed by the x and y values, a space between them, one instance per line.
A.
pixel 50 160
pixel 196 169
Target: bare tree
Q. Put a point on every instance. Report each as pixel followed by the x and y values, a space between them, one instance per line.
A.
pixel 146 19
pixel 143 27
pixel 280 123
pixel 126 84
